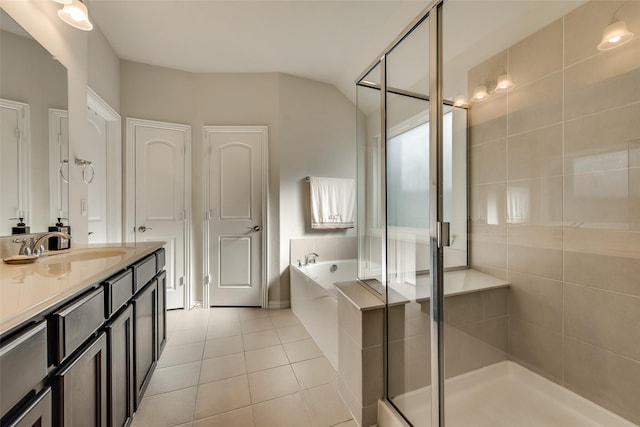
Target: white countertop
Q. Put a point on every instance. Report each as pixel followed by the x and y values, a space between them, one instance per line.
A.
pixel 30 289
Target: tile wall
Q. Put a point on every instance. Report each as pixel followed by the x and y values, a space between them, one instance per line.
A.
pixel 555 202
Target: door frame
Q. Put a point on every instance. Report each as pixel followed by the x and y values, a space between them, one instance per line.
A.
pixel 206 177
pixel 130 191
pixel 115 231
pixel 56 165
pixel 24 154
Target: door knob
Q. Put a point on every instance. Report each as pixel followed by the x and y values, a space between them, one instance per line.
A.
pixel 142 228
pixel 255 228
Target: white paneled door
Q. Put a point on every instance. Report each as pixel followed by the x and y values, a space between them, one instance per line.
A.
pixel 162 196
pixel 236 182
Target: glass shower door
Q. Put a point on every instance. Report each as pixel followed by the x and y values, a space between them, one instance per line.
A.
pixel 407 183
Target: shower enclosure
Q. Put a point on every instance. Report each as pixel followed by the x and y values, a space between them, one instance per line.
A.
pixel 499 212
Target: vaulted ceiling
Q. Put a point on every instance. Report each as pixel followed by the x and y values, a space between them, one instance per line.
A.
pixel 326 40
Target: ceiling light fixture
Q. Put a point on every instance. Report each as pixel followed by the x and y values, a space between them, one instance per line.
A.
pixel 615 35
pixel 75 14
pixel 504 83
pixel 460 101
pixel 480 94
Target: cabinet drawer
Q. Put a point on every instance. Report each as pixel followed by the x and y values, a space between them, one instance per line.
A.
pixel 23 364
pixel 160 259
pixel 118 291
pixel 143 272
pixel 75 323
pixel 37 413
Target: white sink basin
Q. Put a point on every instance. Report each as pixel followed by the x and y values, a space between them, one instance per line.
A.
pixel 83 254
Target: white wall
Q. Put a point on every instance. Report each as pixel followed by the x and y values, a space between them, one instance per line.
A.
pixel 317 121
pixel 70 46
pixel 317 138
pixel 311 132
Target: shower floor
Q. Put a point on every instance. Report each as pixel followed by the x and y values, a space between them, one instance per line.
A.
pixel 507 394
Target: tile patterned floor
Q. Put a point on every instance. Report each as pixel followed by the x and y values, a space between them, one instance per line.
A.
pixel 241 367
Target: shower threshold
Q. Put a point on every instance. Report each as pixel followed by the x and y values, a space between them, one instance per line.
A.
pixel 507 394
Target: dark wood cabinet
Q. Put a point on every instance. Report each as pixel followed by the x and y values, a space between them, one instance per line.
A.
pixel 162 310
pixel 145 327
pixel 82 387
pixel 87 360
pixel 23 365
pixel 120 390
pixel 74 323
pixel 37 413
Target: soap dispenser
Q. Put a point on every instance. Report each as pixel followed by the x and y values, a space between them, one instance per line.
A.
pixel 21 227
pixel 58 243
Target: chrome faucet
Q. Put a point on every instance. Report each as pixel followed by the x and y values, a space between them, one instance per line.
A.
pixel 310 258
pixel 35 246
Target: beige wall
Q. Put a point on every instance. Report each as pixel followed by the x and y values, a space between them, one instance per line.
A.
pixel 70 46
pixel 103 68
pixel 311 131
pixel 555 202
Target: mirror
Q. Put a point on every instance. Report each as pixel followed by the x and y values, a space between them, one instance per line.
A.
pixel 34 137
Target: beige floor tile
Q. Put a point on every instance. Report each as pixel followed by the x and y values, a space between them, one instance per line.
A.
pixel 272 383
pixel 286 318
pixel 242 417
pixel 174 378
pixel 247 313
pixel 298 351
pixel 288 411
pixel 350 423
pixel 314 372
pixel 279 312
pixel 265 358
pixel 179 354
pixel 326 406
pixel 224 315
pixel 217 368
pixel 222 346
pixel 192 319
pixel 256 325
pixel 260 339
pixel 222 396
pixel 223 330
pixel 173 318
pixel 187 336
pixel 293 333
pixel 166 410
pixel 241 340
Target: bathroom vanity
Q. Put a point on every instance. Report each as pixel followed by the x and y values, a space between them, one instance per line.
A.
pixel 80 335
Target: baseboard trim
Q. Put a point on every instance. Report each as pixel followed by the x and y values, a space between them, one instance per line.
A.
pixel 279 304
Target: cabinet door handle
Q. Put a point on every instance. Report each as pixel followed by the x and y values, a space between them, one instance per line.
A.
pixel 142 228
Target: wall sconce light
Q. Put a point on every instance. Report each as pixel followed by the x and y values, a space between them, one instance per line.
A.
pixel 504 83
pixel 480 94
pixel 614 35
pixel 75 14
pixel 460 101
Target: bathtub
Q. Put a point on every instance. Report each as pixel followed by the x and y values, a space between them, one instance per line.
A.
pixel 314 300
